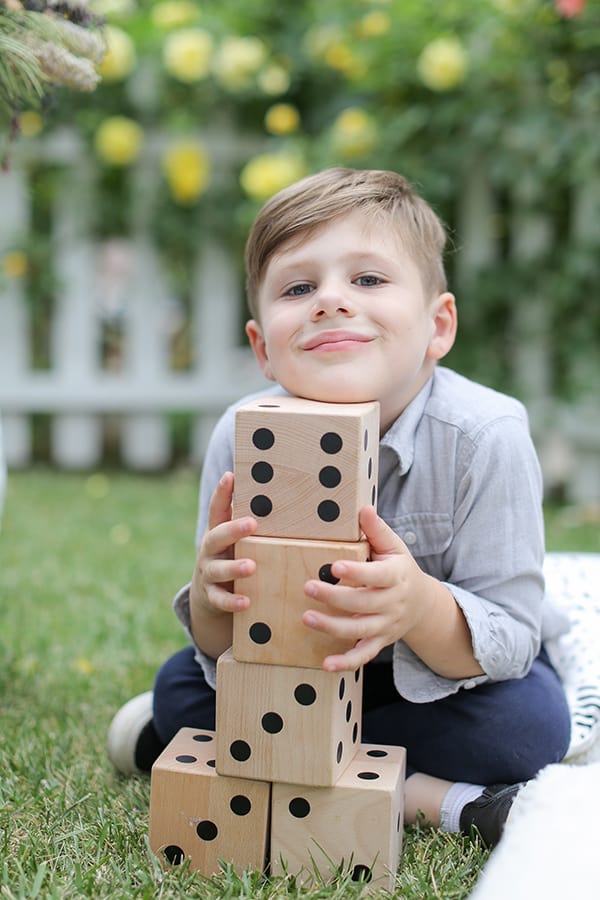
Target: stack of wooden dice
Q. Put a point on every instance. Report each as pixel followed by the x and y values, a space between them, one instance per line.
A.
pixel 285 783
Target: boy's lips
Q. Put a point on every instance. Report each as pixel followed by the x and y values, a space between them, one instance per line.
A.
pixel 335 340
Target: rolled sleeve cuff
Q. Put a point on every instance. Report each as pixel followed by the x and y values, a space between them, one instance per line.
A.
pixel 181 607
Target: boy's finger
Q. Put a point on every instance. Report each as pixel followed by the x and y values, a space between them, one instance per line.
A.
pixel 382 539
pixel 219 509
pixel 362 653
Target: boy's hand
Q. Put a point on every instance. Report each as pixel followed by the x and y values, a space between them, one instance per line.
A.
pixel 216 568
pixel 380 602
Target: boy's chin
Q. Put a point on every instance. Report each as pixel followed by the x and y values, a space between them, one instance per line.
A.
pixel 331 393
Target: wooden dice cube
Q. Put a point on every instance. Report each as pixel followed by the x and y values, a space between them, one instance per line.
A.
pixel 355 824
pixel 202 817
pixel 271 631
pixel 305 468
pixel 285 723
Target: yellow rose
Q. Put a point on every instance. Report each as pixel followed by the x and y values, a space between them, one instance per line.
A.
pixel 14 264
pixel 186 168
pixel 264 175
pixel 354 133
pixel 174 14
pixel 30 123
pixel 374 24
pixel 442 64
pixel 282 118
pixel 118 140
pixel 238 61
pixel 187 54
pixel 274 79
pixel 120 57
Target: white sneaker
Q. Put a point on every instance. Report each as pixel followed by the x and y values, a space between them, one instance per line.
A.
pixel 125 730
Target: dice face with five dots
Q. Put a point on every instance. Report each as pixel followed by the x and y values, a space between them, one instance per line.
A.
pixel 199 816
pixel 304 468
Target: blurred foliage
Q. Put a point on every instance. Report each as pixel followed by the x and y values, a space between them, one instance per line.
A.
pixel 509 88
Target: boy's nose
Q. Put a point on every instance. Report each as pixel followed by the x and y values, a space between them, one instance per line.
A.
pixel 329 302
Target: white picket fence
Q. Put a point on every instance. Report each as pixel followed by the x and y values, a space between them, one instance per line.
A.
pixel 79 390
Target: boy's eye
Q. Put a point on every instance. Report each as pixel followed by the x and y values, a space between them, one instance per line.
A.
pixel 297 290
pixel 368 280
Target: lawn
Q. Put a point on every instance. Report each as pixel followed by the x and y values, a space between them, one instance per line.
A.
pixel 88 565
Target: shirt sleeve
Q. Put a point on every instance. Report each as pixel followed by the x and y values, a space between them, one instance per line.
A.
pixel 493 562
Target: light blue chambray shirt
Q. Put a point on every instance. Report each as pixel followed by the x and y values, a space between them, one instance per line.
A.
pixel 460 483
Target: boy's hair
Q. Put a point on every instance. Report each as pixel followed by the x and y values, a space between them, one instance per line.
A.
pixel 386 199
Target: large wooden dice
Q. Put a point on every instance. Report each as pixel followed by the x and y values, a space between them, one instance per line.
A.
pixel 271 631
pixel 202 817
pixel 356 824
pixel 305 468
pixel 286 723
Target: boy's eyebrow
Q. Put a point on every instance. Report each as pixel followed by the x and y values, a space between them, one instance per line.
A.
pixel 359 257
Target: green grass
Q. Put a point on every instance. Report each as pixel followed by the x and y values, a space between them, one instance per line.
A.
pixel 88 566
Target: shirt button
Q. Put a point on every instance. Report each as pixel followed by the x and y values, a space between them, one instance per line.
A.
pixel 410 537
pixel 469 685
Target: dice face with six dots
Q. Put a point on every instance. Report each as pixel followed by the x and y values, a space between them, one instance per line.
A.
pixel 199 816
pixel 271 631
pixel 359 820
pixel 304 468
pixel 286 724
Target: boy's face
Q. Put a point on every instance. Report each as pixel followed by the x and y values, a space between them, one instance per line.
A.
pixel 344 319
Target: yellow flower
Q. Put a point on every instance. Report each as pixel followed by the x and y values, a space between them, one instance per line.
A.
pixel 282 118
pixel 174 14
pixel 319 39
pixel 354 133
pixel 120 57
pixel 274 79
pixel 374 24
pixel 30 123
pixel 442 64
pixel 238 61
pixel 186 168
pixel 84 666
pixel 14 264
pixel 118 140
pixel 187 54
pixel 264 175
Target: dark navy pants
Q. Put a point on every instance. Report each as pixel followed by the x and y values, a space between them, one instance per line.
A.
pixel 500 732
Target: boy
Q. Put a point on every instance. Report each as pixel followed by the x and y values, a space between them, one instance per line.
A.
pixel 347 290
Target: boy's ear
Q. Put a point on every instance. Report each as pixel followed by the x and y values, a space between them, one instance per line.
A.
pixel 444 320
pixel 259 347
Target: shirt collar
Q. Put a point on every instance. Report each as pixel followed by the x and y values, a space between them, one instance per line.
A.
pixel 400 436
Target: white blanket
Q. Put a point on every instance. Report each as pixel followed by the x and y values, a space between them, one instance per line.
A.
pixel 551 844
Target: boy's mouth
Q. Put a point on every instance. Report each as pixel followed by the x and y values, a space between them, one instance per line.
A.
pixel 336 340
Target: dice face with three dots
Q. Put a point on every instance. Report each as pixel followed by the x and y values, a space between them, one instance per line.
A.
pixel 304 468
pixel 271 630
pixel 286 723
pixel 199 816
pixel 358 820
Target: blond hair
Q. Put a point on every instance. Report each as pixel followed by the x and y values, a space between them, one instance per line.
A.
pixel 386 199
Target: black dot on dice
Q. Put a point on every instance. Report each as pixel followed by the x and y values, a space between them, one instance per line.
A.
pixel 356 675
pixel 366 439
pixel 355 733
pixel 201 738
pixel 272 722
pixel 342 688
pixel 328 511
pixel 260 633
pixel 330 477
pixel 211 762
pixel 206 830
pixel 240 805
pixel 262 472
pixel 369 468
pixel 186 758
pixel 368 776
pixel 373 495
pixel 263 438
pixel 299 807
pixel 261 505
pixel 361 872
pixel 325 574
pixel 340 752
pixel 377 753
pixel 331 442
pixel 173 854
pixel 305 694
pixel 348 710
pixel 240 750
